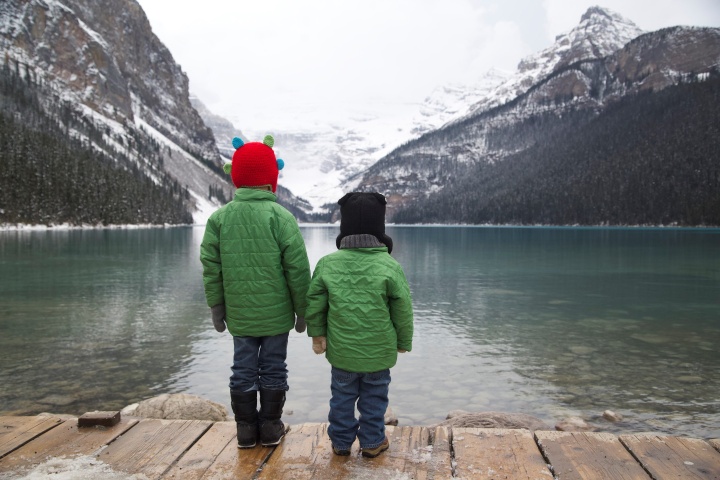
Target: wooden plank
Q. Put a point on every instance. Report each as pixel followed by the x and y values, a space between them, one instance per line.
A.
pixel 236 463
pixel 715 442
pixel 674 457
pixel 586 455
pixel 152 446
pixel 306 453
pixel 440 463
pixel 93 419
pixel 62 441
pixel 408 456
pixel 196 462
pixel 494 453
pixel 17 431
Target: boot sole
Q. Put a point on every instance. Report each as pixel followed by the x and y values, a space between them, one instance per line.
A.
pixel 247 446
pixel 273 444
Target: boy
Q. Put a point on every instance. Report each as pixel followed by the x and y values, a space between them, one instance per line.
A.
pixel 256 274
pixel 359 312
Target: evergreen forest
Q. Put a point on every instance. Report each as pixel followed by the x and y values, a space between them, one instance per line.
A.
pixel 58 167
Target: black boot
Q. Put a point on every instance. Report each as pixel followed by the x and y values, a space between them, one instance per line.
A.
pixel 272 429
pixel 244 406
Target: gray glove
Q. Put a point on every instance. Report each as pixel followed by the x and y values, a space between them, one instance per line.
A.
pixel 218 317
pixel 300 324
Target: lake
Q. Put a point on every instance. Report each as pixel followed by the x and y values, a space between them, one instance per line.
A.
pixel 551 322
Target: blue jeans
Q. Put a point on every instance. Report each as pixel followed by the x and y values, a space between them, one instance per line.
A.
pixel 259 362
pixel 370 391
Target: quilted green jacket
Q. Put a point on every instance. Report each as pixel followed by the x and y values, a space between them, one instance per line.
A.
pixel 360 300
pixel 254 261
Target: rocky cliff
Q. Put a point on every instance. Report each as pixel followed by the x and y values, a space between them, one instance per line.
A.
pixel 103 58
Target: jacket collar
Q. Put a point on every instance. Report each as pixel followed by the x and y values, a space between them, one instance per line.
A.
pixel 251 194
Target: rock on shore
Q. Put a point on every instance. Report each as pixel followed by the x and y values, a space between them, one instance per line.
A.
pixel 460 418
pixel 178 406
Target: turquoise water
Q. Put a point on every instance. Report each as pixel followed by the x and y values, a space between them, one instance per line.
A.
pixel 552 322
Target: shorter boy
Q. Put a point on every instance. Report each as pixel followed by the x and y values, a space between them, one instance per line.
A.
pixel 359 311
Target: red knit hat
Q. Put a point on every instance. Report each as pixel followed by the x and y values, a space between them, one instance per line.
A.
pixel 254 164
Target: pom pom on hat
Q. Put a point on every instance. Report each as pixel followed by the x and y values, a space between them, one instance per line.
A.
pixel 254 164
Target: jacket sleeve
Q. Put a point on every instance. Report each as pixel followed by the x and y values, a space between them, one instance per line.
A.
pixel 212 266
pixel 295 265
pixel 317 304
pixel 401 312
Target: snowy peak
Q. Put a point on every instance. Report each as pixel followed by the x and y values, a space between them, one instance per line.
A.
pixel 599 33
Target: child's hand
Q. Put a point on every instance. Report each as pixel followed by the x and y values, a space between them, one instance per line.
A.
pixel 299 324
pixel 400 350
pixel 319 345
pixel 218 317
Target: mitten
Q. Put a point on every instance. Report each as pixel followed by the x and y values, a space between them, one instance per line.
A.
pixel 300 324
pixel 319 345
pixel 218 316
pixel 400 350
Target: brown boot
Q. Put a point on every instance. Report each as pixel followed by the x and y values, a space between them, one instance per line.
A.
pixel 374 452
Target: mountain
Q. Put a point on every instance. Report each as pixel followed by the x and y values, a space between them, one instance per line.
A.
pixel 103 61
pixel 648 159
pixel 552 95
pixel 222 128
pixel 600 33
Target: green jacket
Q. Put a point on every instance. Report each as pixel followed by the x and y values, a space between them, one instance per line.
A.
pixel 360 300
pixel 254 261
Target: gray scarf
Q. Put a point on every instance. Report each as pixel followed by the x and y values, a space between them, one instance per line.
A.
pixel 360 241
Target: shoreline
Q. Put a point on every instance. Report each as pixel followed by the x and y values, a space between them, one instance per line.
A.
pixel 24 227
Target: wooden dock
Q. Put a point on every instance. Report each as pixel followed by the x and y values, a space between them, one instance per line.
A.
pixel 192 449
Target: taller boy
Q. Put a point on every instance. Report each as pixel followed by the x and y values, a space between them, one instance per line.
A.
pixel 256 275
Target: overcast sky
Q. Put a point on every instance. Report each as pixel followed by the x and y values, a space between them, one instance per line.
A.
pixel 252 61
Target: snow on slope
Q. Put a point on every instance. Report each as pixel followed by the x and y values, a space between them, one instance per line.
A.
pixel 324 157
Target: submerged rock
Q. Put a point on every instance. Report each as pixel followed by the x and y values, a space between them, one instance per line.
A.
pixel 612 416
pixel 178 406
pixel 574 424
pixel 461 419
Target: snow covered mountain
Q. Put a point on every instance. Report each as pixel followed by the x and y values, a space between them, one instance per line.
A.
pixel 599 33
pixel 325 158
pixel 595 65
pixel 103 59
pixel 331 157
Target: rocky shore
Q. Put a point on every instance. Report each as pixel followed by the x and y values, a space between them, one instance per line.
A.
pixel 182 406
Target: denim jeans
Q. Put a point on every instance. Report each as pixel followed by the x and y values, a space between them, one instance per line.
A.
pixel 370 391
pixel 259 362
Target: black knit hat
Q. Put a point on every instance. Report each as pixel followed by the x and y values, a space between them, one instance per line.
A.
pixel 363 212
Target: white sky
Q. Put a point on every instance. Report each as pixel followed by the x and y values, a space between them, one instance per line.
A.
pixel 255 62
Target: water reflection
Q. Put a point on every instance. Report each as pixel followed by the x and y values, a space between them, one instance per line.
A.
pixel 548 322
pixel 94 319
